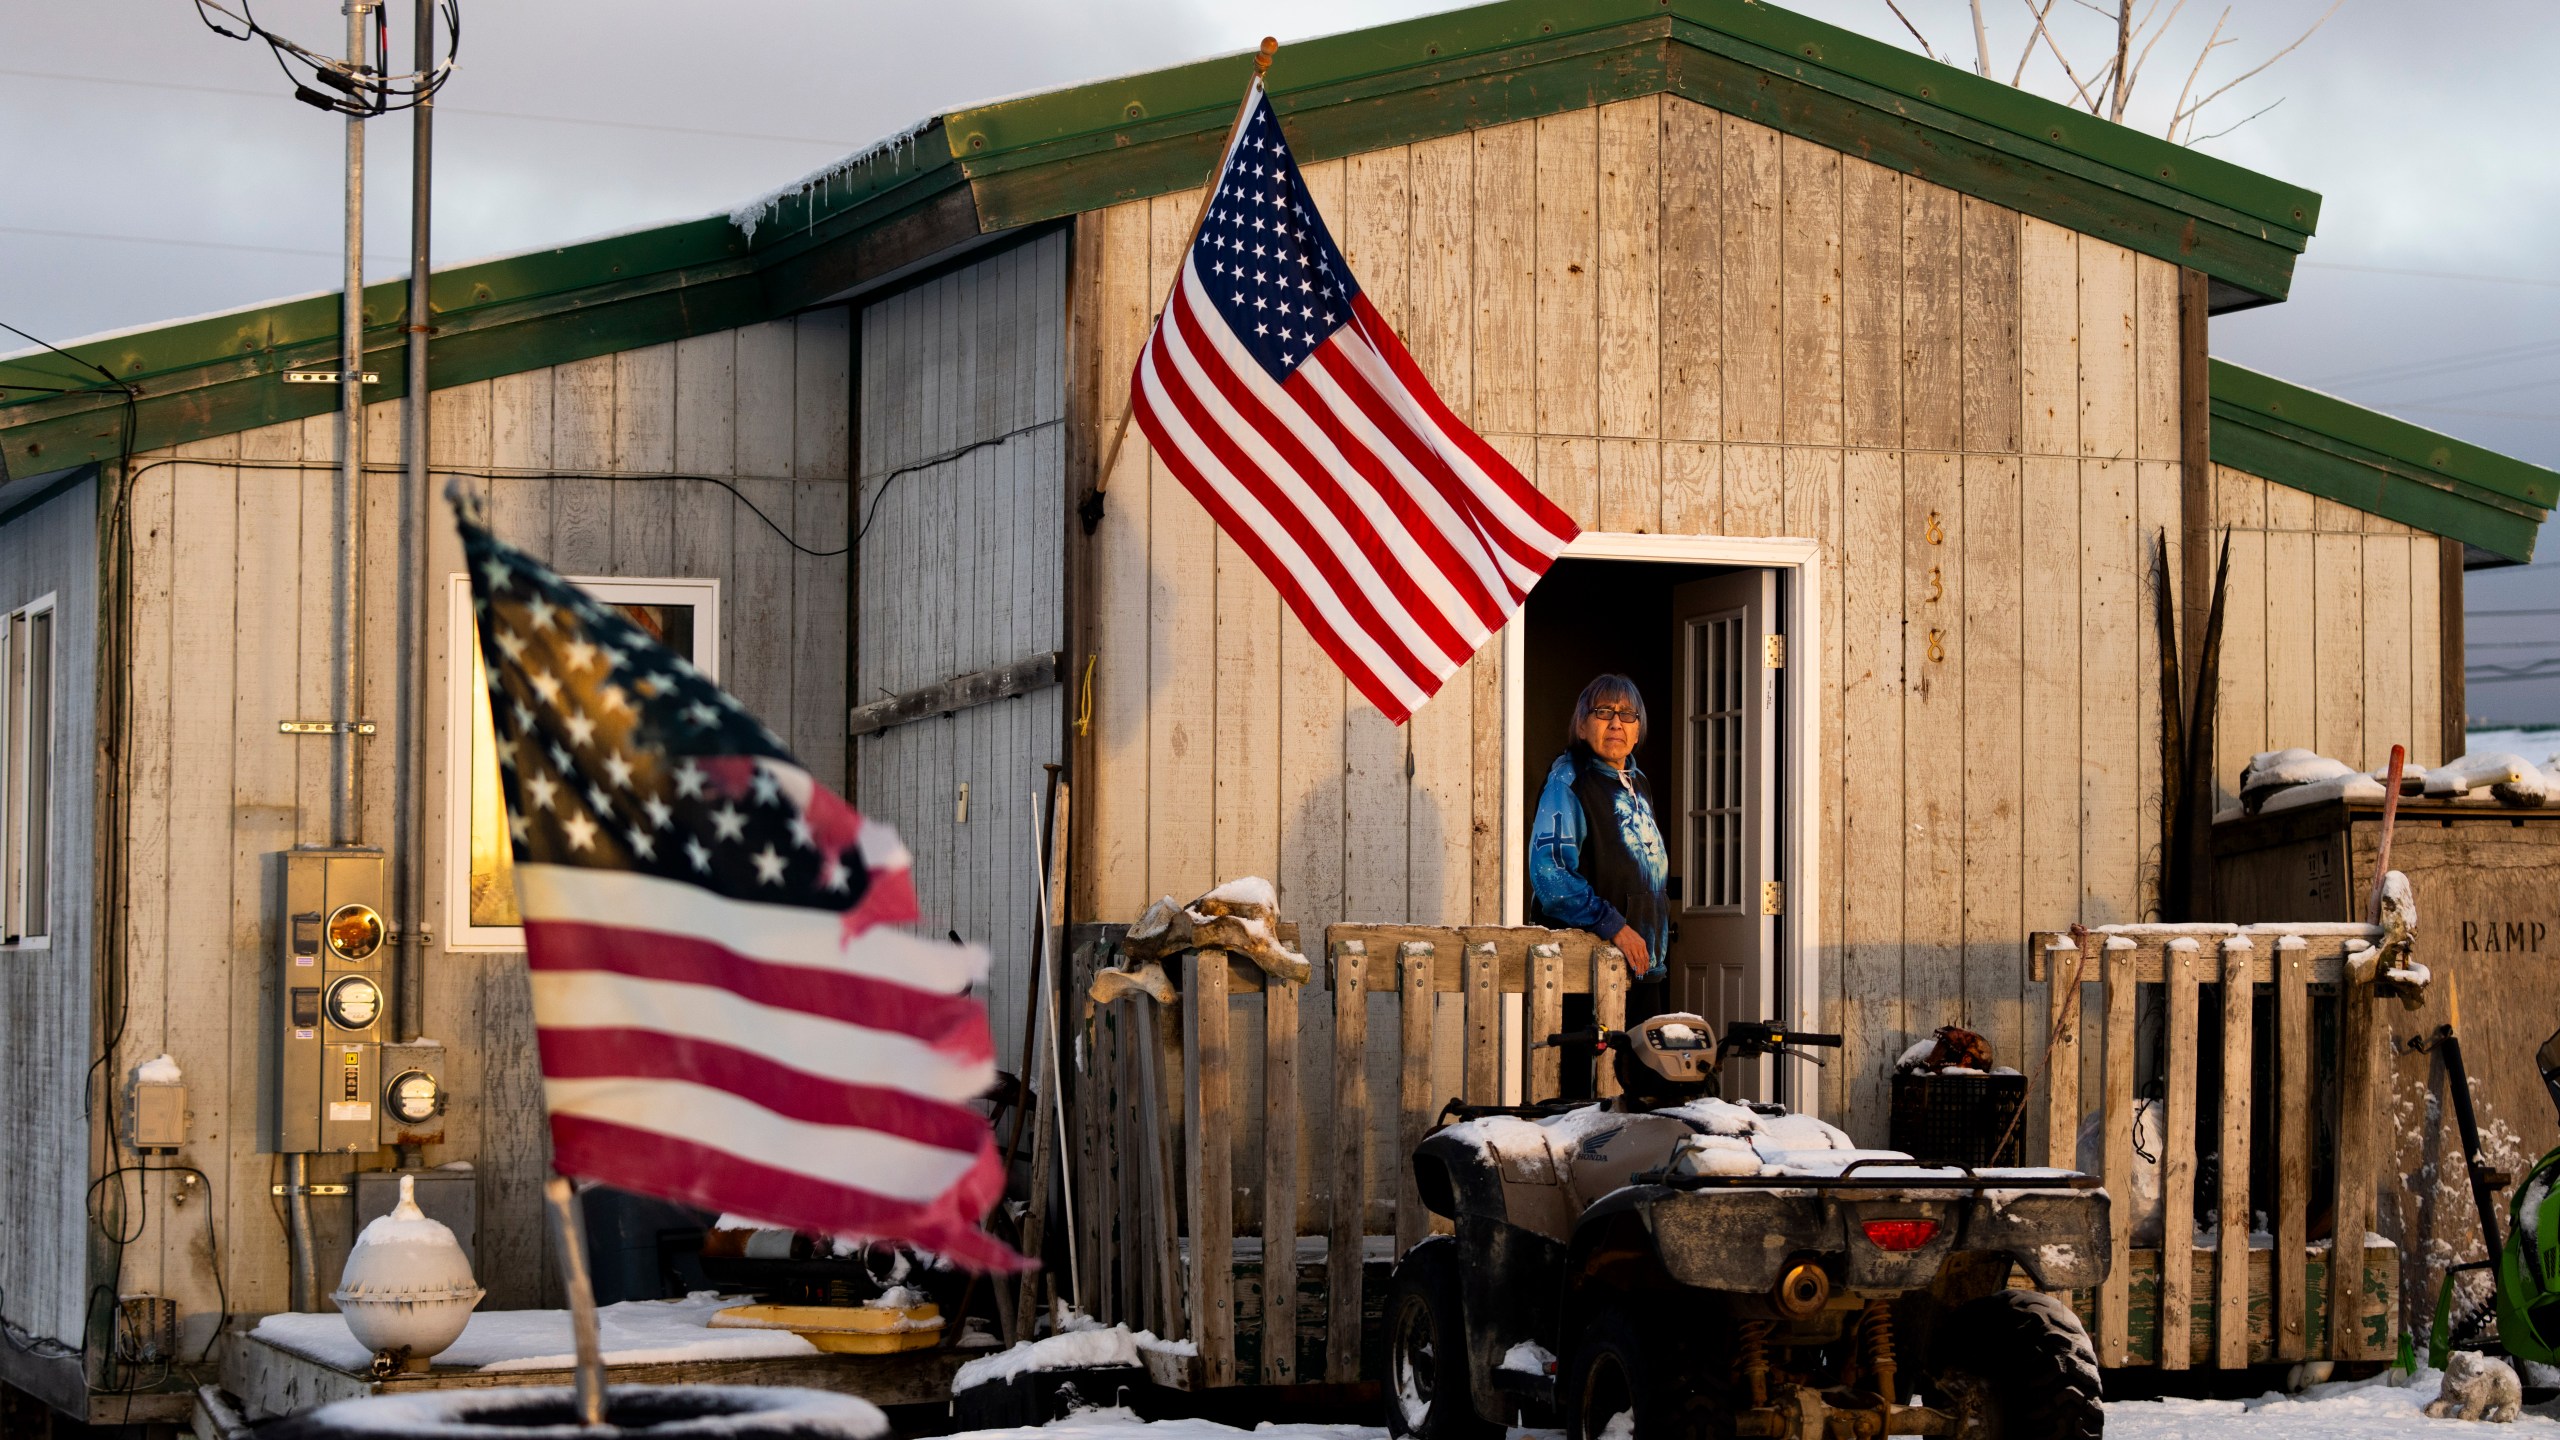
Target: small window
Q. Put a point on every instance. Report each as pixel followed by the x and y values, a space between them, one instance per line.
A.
pixel 480 883
pixel 1712 712
pixel 26 775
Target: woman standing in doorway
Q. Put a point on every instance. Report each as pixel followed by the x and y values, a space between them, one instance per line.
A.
pixel 1596 858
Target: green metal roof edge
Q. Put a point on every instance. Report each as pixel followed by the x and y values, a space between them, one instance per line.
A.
pixel 2375 463
pixel 1205 91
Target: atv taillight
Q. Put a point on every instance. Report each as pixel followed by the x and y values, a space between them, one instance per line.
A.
pixel 1900 1235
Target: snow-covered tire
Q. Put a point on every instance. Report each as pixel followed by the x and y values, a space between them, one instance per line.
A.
pixel 633 1412
pixel 1620 1367
pixel 2028 1351
pixel 1429 1395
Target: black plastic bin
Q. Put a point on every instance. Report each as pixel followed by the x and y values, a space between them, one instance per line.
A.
pixel 1960 1119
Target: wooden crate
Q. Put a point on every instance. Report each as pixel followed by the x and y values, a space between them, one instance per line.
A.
pixel 2487 882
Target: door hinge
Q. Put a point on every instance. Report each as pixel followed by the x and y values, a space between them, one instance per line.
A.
pixel 1773 897
pixel 1773 648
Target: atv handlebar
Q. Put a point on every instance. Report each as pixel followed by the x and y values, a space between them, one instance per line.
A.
pixel 1750 1036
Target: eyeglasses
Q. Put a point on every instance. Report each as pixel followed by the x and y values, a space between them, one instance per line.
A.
pixel 1620 713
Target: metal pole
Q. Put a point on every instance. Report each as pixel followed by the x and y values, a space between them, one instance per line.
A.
pixel 570 1229
pixel 417 505
pixel 345 824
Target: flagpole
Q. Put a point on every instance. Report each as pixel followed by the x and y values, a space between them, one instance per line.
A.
pixel 571 1234
pixel 1092 508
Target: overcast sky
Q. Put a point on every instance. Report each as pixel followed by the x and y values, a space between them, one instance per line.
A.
pixel 156 170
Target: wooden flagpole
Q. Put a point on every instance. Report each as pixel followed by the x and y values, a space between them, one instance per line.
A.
pixel 571 1233
pixel 1111 457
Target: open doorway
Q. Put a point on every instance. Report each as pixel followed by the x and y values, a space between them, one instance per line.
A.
pixel 1704 643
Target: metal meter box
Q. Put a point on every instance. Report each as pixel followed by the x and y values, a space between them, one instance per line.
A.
pixel 333 956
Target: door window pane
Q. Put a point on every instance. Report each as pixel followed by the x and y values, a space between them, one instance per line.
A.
pixel 1713 726
pixel 39 821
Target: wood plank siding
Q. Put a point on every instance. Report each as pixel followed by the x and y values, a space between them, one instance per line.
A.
pixel 230 620
pixel 2332 637
pixel 46 1000
pixel 960 478
pixel 1677 321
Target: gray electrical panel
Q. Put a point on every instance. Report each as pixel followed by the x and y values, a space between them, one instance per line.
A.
pixel 333 952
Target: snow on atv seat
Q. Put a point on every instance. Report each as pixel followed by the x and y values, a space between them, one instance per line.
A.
pixel 1732 1139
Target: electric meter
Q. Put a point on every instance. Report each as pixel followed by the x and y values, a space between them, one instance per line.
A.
pixel 353 1003
pixel 413 1097
pixel 355 931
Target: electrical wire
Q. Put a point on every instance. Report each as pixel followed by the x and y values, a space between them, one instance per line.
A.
pixel 944 458
pixel 363 89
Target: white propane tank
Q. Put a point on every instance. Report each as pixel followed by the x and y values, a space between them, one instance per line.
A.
pixel 407 1289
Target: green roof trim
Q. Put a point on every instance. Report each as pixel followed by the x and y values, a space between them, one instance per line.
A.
pixel 1046 157
pixel 2382 466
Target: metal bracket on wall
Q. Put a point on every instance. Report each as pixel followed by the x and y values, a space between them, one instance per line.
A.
pixel 324 727
pixel 325 377
pixel 310 1189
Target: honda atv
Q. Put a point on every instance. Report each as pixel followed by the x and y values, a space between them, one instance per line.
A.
pixel 1709 1268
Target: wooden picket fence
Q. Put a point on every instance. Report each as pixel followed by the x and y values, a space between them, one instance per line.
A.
pixel 1157 1120
pixel 2182 1306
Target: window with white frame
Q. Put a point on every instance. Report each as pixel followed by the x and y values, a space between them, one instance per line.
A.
pixel 480 882
pixel 26 775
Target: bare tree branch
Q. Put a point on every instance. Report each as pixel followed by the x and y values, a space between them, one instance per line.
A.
pixel 1981 42
pixel 2178 111
pixel 2195 139
pixel 1914 29
pixel 2261 66
pixel 2046 35
pixel 2028 51
pixel 2170 19
pixel 2124 44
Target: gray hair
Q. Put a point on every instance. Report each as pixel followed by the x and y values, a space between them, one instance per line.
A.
pixel 1608 687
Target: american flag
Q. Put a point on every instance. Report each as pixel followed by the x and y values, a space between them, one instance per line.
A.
pixel 728 1013
pixel 1283 401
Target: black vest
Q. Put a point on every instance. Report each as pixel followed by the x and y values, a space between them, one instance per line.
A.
pixel 1605 861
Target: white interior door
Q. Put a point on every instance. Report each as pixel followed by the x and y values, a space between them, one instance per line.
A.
pixel 1721 810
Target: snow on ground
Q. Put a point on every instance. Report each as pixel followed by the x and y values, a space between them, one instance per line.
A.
pixel 2357 1410
pixel 635 1332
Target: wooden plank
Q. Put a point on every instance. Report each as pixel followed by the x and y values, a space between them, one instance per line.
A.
pixel 1608 1009
pixel 1932 317
pixel 706 404
pixel 2158 359
pixel 960 692
pixel 1568 283
pixel 2049 705
pixel 1545 1005
pixel 1181 616
pixel 1871 304
pixel 1163 1106
pixel 2293 670
pixel 1755 490
pixel 768 398
pixel 1991 363
pixel 2240 714
pixel 1809 267
pixel 1282 1112
pixel 2389 713
pixel 2452 706
pixel 2293 1146
pixel 2114 1335
pixel 2114 692
pixel 2338 622
pixel 1414 1004
pixel 2156 522
pixel 1483 1068
pixel 2108 390
pixel 1871 741
pixel 1117 796
pixel 2358 1069
pixel 1439 318
pixel 582 441
pixel 1506 279
pixel 1207 1122
pixel 1994 786
pixel 2177 1154
pixel 1630 319
pixel 2231 1268
pixel 1630 486
pixel 822 384
pixel 1692 489
pixel 1753 291
pixel 1350 1167
pixel 2426 652
pixel 1487 782
pixel 1933 722
pixel 644 423
pixel 1440 813
pixel 1692 247
pixel 2048 338
pixel 2065 970
pixel 1568 472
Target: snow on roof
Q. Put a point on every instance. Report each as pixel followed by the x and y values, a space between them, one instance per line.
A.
pixel 635 1332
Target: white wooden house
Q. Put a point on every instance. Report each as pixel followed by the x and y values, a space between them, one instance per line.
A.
pixel 1912 365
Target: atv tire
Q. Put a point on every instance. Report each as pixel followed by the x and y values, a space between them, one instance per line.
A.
pixel 1623 1368
pixel 2029 1353
pixel 1429 1393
